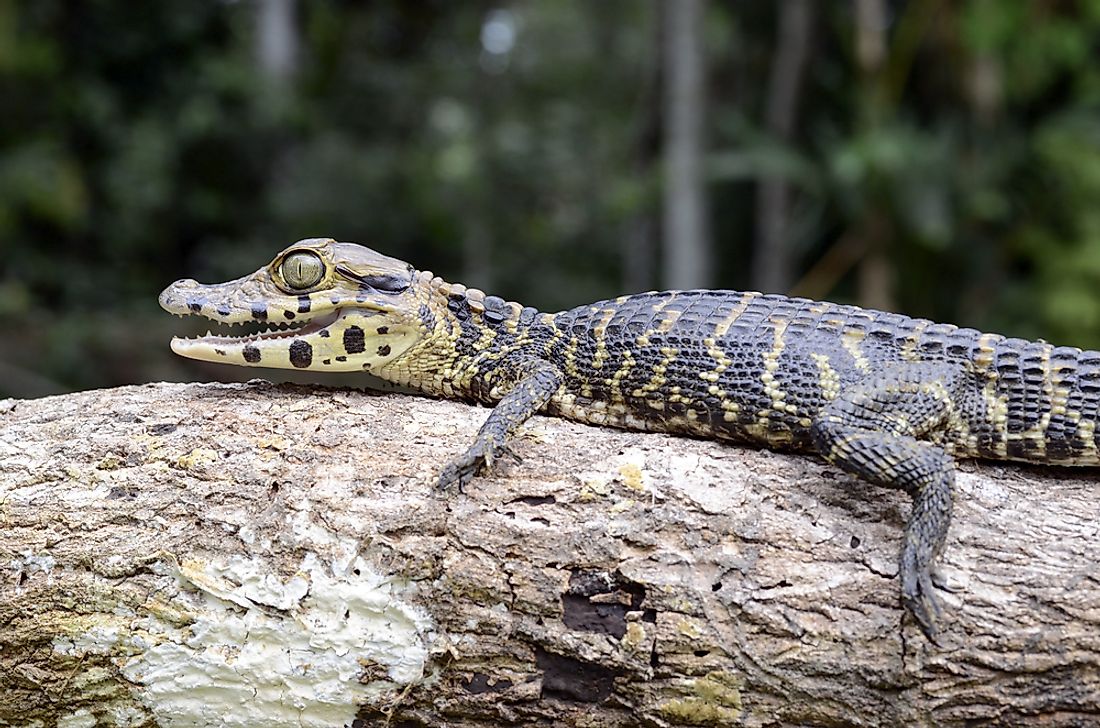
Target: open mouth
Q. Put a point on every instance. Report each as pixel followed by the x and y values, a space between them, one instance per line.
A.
pixel 264 332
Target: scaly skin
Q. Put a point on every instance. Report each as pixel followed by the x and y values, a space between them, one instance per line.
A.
pixel 888 398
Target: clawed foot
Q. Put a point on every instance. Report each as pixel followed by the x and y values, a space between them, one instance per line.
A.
pixel 919 599
pixel 459 472
pixel 477 459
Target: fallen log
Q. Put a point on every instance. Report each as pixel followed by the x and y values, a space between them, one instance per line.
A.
pixel 242 555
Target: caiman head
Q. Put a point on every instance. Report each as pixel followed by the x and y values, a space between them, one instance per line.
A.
pixel 322 305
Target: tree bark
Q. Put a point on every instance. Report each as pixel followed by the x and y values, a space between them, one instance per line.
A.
pixel 242 555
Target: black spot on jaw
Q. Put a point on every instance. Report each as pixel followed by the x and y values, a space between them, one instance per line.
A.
pixel 259 311
pixel 303 304
pixel 384 350
pixel 288 314
pixel 383 330
pixel 194 306
pixel 354 341
pixel 251 354
pixel 219 352
pixel 341 358
pixel 326 362
pixel 223 310
pixel 301 353
pixel 324 333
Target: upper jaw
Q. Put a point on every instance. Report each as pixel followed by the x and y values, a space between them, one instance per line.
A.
pixel 244 301
pixel 235 302
pixel 241 302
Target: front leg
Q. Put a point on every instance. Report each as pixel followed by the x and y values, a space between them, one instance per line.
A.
pixel 528 395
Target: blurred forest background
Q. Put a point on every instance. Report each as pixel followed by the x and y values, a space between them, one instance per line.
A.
pixel 932 157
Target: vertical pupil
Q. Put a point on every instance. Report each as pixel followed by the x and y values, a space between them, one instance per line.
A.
pixel 300 271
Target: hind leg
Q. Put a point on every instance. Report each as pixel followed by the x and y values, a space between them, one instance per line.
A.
pixel 872 431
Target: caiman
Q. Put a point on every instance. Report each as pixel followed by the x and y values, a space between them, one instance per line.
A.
pixel 891 399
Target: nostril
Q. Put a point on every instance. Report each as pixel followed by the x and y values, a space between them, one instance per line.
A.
pixel 170 295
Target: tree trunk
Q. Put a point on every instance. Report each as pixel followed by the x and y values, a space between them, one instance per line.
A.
pixel 276 39
pixel 243 555
pixel 687 257
pixel 771 260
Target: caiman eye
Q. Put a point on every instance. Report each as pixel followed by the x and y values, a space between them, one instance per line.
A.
pixel 302 270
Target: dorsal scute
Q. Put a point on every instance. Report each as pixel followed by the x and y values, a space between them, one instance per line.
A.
pixel 492 309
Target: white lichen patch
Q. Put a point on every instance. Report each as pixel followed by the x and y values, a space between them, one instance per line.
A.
pixel 77 719
pixel 95 641
pixel 126 716
pixel 264 650
pixel 32 563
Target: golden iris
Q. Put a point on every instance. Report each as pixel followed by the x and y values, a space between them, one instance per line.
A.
pixel 302 270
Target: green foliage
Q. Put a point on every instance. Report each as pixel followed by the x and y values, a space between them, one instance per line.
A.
pixel 140 146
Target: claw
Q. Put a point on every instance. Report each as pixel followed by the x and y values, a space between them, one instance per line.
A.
pixel 942 582
pixel 477 459
pixel 462 470
pixel 924 610
pixel 919 599
pixel 506 450
pixel 458 472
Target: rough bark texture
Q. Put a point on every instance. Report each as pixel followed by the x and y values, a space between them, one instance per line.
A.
pixel 275 555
